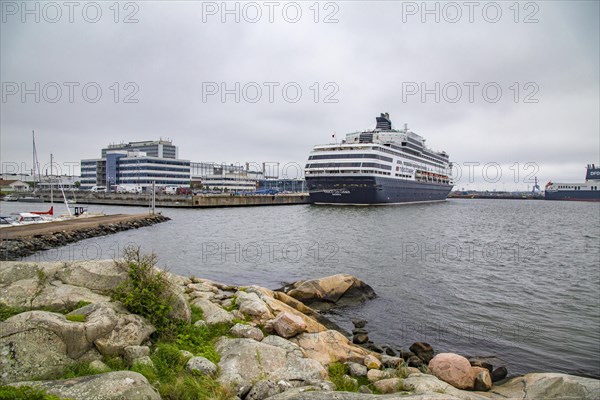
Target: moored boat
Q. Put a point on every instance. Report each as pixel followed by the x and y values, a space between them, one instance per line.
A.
pixel 49 212
pixel 6 221
pixel 31 199
pixel 30 218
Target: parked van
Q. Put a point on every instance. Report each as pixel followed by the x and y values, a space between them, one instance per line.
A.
pixel 171 189
pixel 131 188
pixel 98 189
pixel 134 189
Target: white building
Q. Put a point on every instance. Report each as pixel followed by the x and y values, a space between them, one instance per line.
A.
pixel 242 181
pixel 12 185
pixel 121 167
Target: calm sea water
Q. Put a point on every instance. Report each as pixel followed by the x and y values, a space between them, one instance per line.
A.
pixel 516 280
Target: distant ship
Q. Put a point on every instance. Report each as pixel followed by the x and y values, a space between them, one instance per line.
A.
pixel 588 191
pixel 379 166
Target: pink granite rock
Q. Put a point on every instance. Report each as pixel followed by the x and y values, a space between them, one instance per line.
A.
pixel 287 325
pixel 452 369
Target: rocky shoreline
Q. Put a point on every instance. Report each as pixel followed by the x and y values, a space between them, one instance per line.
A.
pixel 270 345
pixel 19 247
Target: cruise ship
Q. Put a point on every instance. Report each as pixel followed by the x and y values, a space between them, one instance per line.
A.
pixel 588 191
pixel 379 166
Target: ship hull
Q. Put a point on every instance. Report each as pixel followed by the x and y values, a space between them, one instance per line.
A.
pixel 573 195
pixel 373 190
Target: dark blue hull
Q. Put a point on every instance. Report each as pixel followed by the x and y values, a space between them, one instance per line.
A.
pixel 574 195
pixel 373 190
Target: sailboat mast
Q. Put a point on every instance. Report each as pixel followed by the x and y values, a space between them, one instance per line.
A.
pixel 51 181
pixel 36 164
pixel 33 161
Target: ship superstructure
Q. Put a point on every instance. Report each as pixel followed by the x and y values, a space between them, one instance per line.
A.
pixel 587 191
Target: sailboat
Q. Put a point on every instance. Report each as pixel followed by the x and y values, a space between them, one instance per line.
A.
pixel 49 212
pixel 32 198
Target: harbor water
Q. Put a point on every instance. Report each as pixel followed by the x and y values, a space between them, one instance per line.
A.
pixel 516 280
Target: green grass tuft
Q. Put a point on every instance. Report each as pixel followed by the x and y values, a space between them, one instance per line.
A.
pixel 197 313
pixel 79 369
pixel 149 372
pixel 81 304
pixel 7 311
pixel 233 305
pixel 168 362
pixel 24 393
pixel 115 363
pixel 402 369
pixel 199 340
pixel 337 371
pixel 190 387
pixel 76 317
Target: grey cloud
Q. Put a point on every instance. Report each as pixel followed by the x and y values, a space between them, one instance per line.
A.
pixel 369 54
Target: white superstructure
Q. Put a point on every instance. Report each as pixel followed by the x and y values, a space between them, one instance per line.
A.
pixel 400 154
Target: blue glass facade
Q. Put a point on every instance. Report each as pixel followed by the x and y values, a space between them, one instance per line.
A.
pixel 112 163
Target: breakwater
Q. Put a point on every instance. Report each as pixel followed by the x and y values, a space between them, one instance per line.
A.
pixel 22 241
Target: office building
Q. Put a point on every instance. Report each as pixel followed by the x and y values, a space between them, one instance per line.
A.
pixel 127 165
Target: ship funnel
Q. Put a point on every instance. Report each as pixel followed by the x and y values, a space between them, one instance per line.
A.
pixel 384 122
pixel 593 173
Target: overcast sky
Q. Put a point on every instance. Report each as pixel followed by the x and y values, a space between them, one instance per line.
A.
pixel 369 57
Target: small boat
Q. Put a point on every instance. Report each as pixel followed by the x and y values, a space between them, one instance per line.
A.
pixel 49 212
pixel 31 199
pixel 10 197
pixel 6 221
pixel 30 218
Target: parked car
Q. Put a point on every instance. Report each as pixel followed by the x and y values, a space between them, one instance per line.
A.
pixel 184 190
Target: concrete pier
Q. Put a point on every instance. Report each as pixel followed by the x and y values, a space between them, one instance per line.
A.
pixel 25 240
pixel 224 200
pixel 183 201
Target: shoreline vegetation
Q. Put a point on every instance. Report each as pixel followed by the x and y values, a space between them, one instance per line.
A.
pixel 125 329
